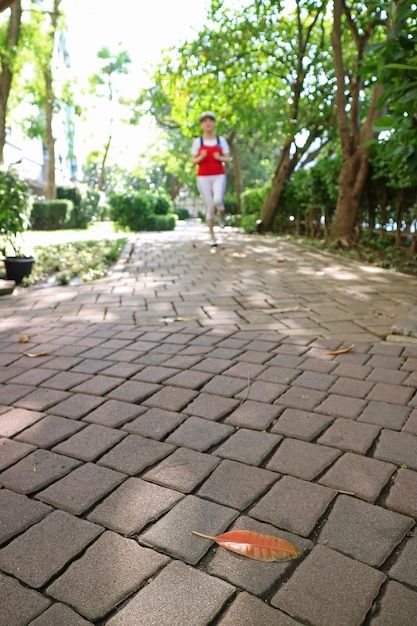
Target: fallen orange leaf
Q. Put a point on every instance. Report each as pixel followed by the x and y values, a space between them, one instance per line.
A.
pixel 24 338
pixel 255 545
pixel 342 351
pixel 34 354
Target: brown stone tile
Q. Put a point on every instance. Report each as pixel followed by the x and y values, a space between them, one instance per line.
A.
pixel 183 470
pixel 45 548
pixel 90 443
pixel 172 534
pixel 155 423
pixel 114 413
pixel 19 604
pixel 49 430
pixel 294 505
pixel 155 374
pixel 133 505
pixel 133 391
pixel 364 531
pixel 93 584
pixel 384 375
pixel 171 398
pixel 12 451
pixel 63 381
pixel 398 605
pixel 302 459
pixel 37 470
pixel 33 377
pixel 81 489
pixel 248 446
pixel 227 386
pixel 300 424
pixel 261 391
pixel 199 434
pixel 341 406
pixel 179 595
pixel 385 415
pixel 98 385
pixel 411 424
pixel 210 365
pixel 346 434
pixel 90 366
pixel 394 394
pixel 403 493
pixel 353 370
pixel 405 567
pixel 16 420
pixel 18 512
pixel 316 599
pixel 59 614
pixel 351 387
pixel 76 406
pixel 245 370
pixel 301 398
pixel 245 606
pixel 134 453
pixel 399 448
pixel 282 375
pixel 314 380
pixel 358 475
pixel 256 415
pixel 41 399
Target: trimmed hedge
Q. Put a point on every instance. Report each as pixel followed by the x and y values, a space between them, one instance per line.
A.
pixel 50 214
pixel 140 211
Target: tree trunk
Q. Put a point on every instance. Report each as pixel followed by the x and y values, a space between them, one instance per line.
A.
pixel 237 175
pixel 270 206
pixel 6 75
pixel 49 110
pixel 102 176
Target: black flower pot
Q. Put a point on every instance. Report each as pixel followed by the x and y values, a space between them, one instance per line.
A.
pixel 18 267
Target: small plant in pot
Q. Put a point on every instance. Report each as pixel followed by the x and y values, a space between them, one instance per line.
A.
pixel 14 204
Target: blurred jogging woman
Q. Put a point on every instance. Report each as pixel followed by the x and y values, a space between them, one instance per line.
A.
pixel 209 152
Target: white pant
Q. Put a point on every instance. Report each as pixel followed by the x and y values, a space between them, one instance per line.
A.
pixel 212 190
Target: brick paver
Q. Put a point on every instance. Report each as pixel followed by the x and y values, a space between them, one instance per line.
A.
pixel 193 389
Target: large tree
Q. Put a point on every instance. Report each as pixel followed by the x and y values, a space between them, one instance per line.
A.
pixel 9 38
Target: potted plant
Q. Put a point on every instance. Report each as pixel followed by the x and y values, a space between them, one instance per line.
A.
pixel 14 204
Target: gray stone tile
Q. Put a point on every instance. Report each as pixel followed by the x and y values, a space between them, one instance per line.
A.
pixel 16 420
pixel 317 599
pixel 134 453
pixel 77 406
pixel 171 398
pixel 19 605
pixel 133 505
pixel 45 548
pixel 133 391
pixel 12 451
pixel 349 435
pixel 236 484
pixel 256 415
pixel 211 407
pixel 114 413
pixel 403 493
pixel 405 567
pixel 294 505
pixel 90 443
pixel 399 448
pixel 78 491
pixel 300 424
pixel 179 595
pixel 301 458
pixel 199 434
pixel 49 430
pixel 17 513
pixel 60 614
pixel 248 446
pixel 37 470
pixel 173 533
pixel 42 399
pixel 364 531
pixel 397 606
pixel 385 415
pixel 183 470
pixel 155 423
pixel 107 573
pixel 244 609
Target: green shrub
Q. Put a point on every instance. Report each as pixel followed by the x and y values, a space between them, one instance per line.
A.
pixel 230 203
pixel 248 222
pixel 50 214
pixel 164 222
pixel 14 208
pixel 253 199
pixel 161 205
pixel 137 211
pixel 182 214
pixel 84 205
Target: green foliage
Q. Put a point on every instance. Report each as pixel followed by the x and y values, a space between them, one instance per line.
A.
pixel 84 205
pixel 14 208
pixel 50 214
pixel 253 199
pixel 181 213
pixel 137 211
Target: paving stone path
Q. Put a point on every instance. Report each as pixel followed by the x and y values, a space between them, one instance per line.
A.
pixel 193 389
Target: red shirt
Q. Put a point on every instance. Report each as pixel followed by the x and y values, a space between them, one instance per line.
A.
pixel 209 166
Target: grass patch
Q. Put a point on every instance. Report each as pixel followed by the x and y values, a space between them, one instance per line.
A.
pixel 74 261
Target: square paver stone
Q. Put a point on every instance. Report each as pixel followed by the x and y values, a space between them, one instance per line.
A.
pixel 385 415
pixel 301 398
pixel 358 475
pixel 111 569
pixel 60 614
pixel 300 424
pixel 78 491
pixel 199 434
pixel 399 448
pixel 179 595
pixel 398 605
pixel 19 605
pixel 248 446
pixel 364 531
pixel 90 443
pixel 171 398
pixel 42 399
pixel 114 413
pixel 255 415
pixel 403 493
pixel 294 504
pixel 350 435
pixel 243 609
pixel 301 458
pixel 12 451
pixel 16 420
pixel 183 470
pixel 45 548
pixel 77 406
pixel 134 391
pixel 134 453
pixel 236 484
pixel 37 470
pixel 155 423
pixel 341 406
pixel 172 534
pixel 313 593
pixel 211 407
pixel 405 567
pixel 133 505
pixel 17 513
pixel 257 577
pixel 49 431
